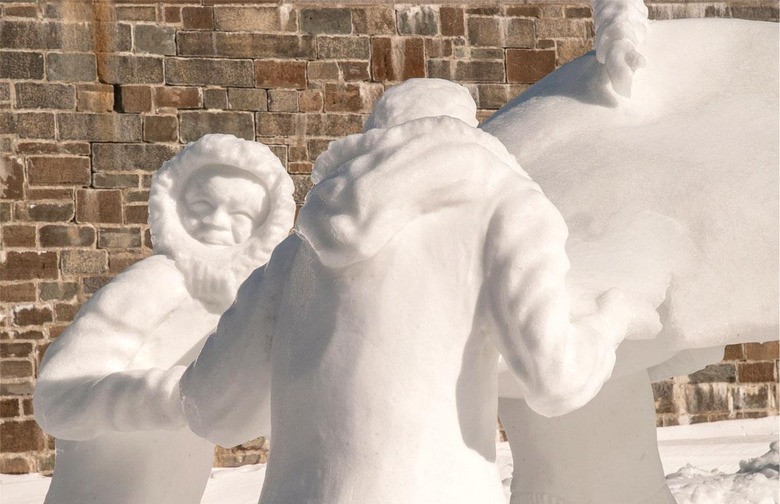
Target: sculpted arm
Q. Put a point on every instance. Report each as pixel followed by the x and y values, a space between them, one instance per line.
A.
pixel 226 392
pixel 86 387
pixel 560 364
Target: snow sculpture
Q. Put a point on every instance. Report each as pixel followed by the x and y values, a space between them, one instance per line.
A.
pixel 683 175
pixel 108 386
pixel 421 249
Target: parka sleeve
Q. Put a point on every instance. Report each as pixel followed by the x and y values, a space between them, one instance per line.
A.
pixel 226 391
pixel 560 364
pixel 84 387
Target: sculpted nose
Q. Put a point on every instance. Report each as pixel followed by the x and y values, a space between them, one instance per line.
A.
pixel 217 218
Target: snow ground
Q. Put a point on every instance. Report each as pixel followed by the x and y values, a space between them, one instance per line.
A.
pixel 714 450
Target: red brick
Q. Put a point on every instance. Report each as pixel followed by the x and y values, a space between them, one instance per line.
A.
pixel 32 316
pixel 50 193
pixel 578 12
pixel 18 236
pixel 95 98
pixel 197 18
pixel 65 312
pixel 9 408
pixel 136 214
pixel 527 66
pixel 15 349
pixel 99 206
pixel 136 99
pixel 452 24
pixel 310 100
pixel 756 372
pixel 59 171
pixel 22 436
pixel 28 266
pixel 66 236
pixel 762 351
pixel 397 59
pixel 17 293
pixel 734 352
pixel 284 74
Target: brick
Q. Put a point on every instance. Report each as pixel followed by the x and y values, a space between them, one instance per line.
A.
pixel 323 70
pixel 17 389
pixel 23 11
pixel 485 31
pixel 756 372
pixel 51 96
pixel 578 12
pixel 27 34
pixel 705 398
pixel 21 436
pixel 350 97
pixel 18 235
pixel 486 53
pixel 100 127
pixel 154 39
pixel 310 100
pixel 254 19
pixel 91 285
pixel 198 71
pixel 46 170
pixel 71 67
pixel 523 11
pixel 333 125
pixel 756 12
pixel 95 98
pixel 492 96
pixel 282 100
pixel 5 91
pixel 285 74
pixel 135 99
pixel 13 184
pixel 21 65
pixel 259 45
pixel 66 236
pixel 528 66
pixel 248 99
pixel 161 129
pixel 734 352
pixel 355 48
pixel 300 168
pixel 561 28
pixel 193 125
pixel 136 13
pixel 65 312
pixel 751 397
pixel 519 33
pixel 355 70
pixel 302 185
pixel 136 214
pixel 375 20
pixel 120 262
pixel 479 71
pixel 139 196
pixel 395 60
pixel 122 238
pixel 62 291
pixel 326 20
pixel 9 407
pixel 197 18
pixel 762 351
pixel 177 97
pixel 195 43
pixel 439 48
pixel 59 211
pixel 111 37
pixel 215 98
pixel 417 20
pixel 724 373
pixel 452 21
pixel 32 316
pixel 18 293
pixel 277 124
pixel 483 11
pixel 98 206
pixel 172 14
pixel 664 401
pixel 114 180
pixel 317 146
pixel 15 349
pixel 570 49
pixel 35 125
pixel 84 262
pixel 123 69
pixel 551 11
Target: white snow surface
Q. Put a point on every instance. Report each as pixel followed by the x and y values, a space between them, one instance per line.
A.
pixel 702 462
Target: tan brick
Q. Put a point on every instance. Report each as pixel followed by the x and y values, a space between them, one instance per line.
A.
pixel 215 98
pixel 254 19
pixel 354 48
pixel 50 96
pixel 571 49
pixel 84 262
pixel 172 14
pixel 248 99
pixel 95 98
pixel 35 125
pixel 561 28
pixel 122 238
pixel 63 291
pixel 485 31
pixel 71 67
pixel 136 13
pixel 762 351
pixel 397 59
pixel 277 124
pixel 66 236
pixel 523 11
pixel 18 236
pixel 21 436
pixel 116 157
pixel 479 71
pixel 199 71
pixel 17 293
pixel 354 70
pixel 134 99
pixel 527 66
pixel 323 70
pixel 48 211
pixel 9 408
pixel 13 184
pixel 417 20
pixel 136 214
pixel 114 180
pixel 99 206
pixel 161 129
pixel 65 312
pixel 118 262
pixel 328 20
pixel 46 170
pixel 374 20
pixel 284 74
pixel 578 12
pixel 177 97
pixel 282 100
pixel 193 125
pixel 100 127
pixel 154 39
pixel 310 100
pixel 124 69
pixel 333 125
pixel 756 372
pixel 73 148
pixel 21 65
pixel 246 45
pixel 519 33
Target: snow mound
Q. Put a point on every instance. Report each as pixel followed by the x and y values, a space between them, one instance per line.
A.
pixel 756 482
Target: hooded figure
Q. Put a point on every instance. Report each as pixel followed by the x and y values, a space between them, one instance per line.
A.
pixel 373 335
pixel 108 386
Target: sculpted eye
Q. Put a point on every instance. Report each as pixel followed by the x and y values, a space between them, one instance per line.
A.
pixel 200 206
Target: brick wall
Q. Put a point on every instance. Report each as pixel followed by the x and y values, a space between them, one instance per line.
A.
pixel 94 96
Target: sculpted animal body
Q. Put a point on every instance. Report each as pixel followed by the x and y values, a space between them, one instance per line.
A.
pixel 108 386
pixel 368 346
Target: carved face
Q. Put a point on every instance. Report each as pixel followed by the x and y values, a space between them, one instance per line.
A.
pixel 221 206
